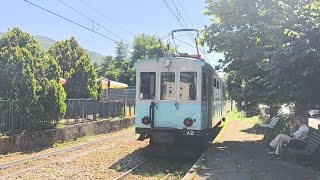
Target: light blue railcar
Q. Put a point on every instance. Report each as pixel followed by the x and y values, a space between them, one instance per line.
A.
pixel 177 97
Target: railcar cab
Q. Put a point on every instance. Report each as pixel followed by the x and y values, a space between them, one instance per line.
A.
pixel 173 98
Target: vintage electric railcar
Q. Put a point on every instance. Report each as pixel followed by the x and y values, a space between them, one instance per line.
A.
pixel 177 98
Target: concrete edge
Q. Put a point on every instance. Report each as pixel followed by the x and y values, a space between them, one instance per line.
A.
pixel 193 170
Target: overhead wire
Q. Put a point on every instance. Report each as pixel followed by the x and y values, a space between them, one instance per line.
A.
pixel 94 9
pixel 185 13
pixel 78 24
pixel 185 43
pixel 69 20
pixel 204 51
pixel 179 14
pixel 93 21
pixel 184 24
pixel 123 39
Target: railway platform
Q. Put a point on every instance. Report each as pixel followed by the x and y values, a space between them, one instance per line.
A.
pixel 238 154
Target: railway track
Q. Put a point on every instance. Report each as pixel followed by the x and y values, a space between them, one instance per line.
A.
pixel 71 157
pixel 160 168
pixel 122 176
pixel 61 151
pixel 139 160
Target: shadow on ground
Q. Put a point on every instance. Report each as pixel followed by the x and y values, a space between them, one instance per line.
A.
pixel 256 129
pixel 243 160
pixel 246 160
pixel 177 161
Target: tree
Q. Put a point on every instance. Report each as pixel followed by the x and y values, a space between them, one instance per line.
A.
pixel 76 68
pixel 104 66
pixel 67 53
pixel 24 80
pixel 120 69
pixel 83 81
pixel 145 46
pixel 270 45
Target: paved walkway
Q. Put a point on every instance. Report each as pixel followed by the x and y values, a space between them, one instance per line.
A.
pixel 239 156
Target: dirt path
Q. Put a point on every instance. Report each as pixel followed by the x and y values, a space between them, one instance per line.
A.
pixel 239 155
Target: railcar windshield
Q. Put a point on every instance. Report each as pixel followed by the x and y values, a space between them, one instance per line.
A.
pixel 168 89
pixel 188 86
pixel 147 85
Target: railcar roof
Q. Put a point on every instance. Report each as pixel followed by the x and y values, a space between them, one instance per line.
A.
pixel 202 61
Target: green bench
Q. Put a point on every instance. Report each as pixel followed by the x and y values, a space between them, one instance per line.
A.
pixel 312 145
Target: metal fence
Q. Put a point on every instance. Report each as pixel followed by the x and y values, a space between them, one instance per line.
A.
pixel 15 117
pixel 129 93
pixel 83 110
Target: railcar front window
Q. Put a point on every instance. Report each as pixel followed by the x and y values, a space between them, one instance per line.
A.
pixel 168 88
pixel 147 85
pixel 188 86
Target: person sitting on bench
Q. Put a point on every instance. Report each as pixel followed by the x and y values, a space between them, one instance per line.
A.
pixel 301 134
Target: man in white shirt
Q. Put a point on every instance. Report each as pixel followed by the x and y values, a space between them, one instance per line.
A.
pixel 302 134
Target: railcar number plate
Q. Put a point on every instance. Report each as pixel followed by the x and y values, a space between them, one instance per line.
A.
pixel 190 133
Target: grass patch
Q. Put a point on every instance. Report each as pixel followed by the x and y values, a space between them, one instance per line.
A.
pixel 118 168
pixel 235 116
pixel 159 168
pixel 199 167
pixel 240 115
pixel 66 144
pixel 88 138
pixel 28 162
pixel 253 175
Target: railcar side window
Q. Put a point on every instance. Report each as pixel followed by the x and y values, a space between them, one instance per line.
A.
pixel 147 85
pixel 188 86
pixel 167 89
pixel 204 87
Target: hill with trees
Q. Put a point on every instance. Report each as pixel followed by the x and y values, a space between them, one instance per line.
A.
pixel 46 43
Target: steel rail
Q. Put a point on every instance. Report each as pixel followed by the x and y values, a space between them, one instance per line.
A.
pixel 45 155
pixel 129 171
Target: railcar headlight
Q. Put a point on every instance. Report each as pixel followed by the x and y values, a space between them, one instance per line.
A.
pixel 188 122
pixel 146 120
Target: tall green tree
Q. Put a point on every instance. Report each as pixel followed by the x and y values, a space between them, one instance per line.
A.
pixel 120 69
pixel 67 53
pixel 104 66
pixel 145 46
pixel 271 45
pixel 24 80
pixel 76 68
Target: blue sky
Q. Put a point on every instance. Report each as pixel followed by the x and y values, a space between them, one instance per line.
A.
pixel 137 17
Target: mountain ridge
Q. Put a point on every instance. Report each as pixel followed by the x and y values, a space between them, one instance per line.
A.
pixel 47 42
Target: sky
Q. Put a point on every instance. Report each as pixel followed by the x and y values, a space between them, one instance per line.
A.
pixel 120 20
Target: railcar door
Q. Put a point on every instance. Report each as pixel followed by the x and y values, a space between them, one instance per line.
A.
pixel 205 99
pixel 167 105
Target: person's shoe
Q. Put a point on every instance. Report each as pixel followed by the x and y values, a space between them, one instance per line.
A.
pixel 275 157
pixel 270 152
pixel 268 149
